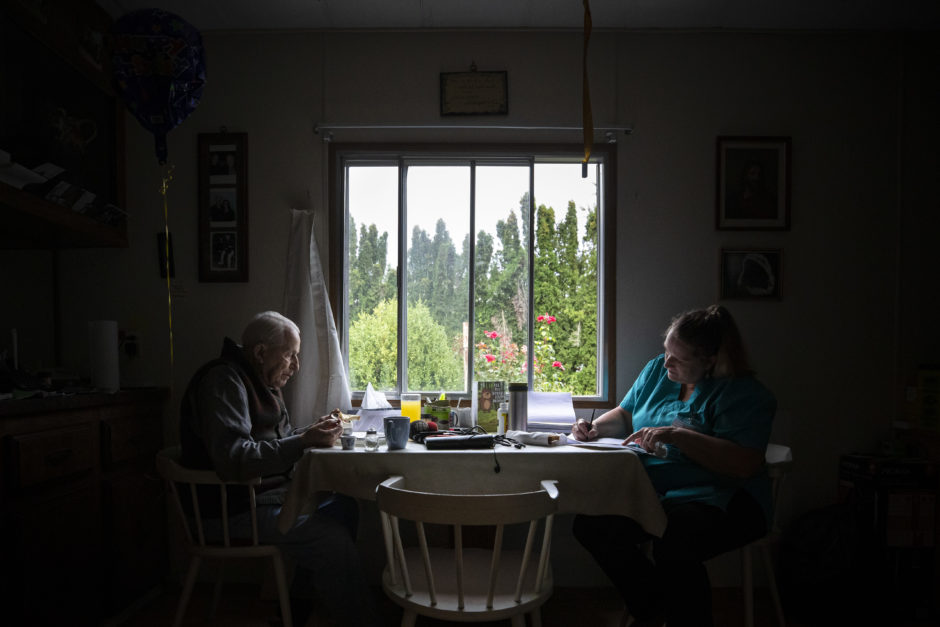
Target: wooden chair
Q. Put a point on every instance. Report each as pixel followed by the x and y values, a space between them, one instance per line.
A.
pixel 778 459
pixel 460 583
pixel 200 546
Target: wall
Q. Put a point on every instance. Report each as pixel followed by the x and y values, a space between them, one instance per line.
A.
pixel 834 349
pixel 920 208
pixel 27 306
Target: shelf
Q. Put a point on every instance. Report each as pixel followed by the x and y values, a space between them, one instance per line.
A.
pixel 75 31
pixel 10 409
pixel 32 222
pixel 55 74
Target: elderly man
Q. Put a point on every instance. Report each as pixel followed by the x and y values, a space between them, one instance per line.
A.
pixel 233 420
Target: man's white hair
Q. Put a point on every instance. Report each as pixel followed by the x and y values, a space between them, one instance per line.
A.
pixel 269 328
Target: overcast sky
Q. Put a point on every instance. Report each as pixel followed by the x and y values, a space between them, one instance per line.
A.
pixel 444 192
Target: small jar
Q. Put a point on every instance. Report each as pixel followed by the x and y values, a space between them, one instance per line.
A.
pixel 372 440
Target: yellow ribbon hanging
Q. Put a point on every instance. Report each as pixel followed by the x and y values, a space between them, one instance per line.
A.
pixel 166 242
pixel 587 119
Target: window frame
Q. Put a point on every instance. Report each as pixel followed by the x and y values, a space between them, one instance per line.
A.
pixel 394 153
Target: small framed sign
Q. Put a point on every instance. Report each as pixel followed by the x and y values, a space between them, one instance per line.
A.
pixel 474 93
pixel 223 207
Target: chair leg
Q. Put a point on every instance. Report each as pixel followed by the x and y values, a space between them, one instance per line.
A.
pixel 282 592
pixel 772 582
pixel 408 618
pixel 216 592
pixel 536 615
pixel 625 619
pixel 517 620
pixel 747 585
pixel 188 585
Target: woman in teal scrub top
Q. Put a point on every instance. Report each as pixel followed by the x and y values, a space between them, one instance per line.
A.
pixel 705 422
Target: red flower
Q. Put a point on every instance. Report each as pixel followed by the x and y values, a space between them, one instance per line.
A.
pixel 557 364
pixel 550 319
pixel 491 334
pixel 540 318
pixel 490 358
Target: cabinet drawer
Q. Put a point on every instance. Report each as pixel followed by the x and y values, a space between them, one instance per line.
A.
pixel 47 455
pixel 130 436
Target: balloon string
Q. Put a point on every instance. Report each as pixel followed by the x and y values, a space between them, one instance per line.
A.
pixel 166 242
pixel 587 119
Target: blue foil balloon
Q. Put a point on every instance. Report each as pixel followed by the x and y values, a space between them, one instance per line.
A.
pixel 159 70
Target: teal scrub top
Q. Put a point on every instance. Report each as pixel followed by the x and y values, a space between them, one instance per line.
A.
pixel 739 409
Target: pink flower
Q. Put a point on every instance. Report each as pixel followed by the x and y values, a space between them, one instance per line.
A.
pixel 540 318
pixel 550 319
pixel 557 364
pixel 489 358
pixel 491 334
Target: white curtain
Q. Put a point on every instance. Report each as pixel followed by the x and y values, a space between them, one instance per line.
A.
pixel 321 384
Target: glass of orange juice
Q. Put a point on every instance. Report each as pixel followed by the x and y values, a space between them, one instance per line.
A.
pixel 411 406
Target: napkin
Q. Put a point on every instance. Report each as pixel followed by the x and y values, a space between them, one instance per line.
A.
pixel 372 399
pixel 538 439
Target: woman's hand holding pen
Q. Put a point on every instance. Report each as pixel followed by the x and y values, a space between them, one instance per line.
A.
pixel 614 423
pixel 583 430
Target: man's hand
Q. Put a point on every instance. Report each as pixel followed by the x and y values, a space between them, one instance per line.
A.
pixel 323 433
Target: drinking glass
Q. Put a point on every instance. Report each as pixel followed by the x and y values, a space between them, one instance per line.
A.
pixel 411 406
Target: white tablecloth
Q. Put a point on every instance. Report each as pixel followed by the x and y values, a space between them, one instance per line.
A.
pixel 589 481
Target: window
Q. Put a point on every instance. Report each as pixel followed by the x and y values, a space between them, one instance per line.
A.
pixel 439 281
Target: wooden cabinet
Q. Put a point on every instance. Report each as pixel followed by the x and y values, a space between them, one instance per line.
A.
pixel 83 525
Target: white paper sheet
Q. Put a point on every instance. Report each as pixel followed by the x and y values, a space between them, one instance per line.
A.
pixel 609 443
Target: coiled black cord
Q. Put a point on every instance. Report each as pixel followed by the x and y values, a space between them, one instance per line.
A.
pixel 419 435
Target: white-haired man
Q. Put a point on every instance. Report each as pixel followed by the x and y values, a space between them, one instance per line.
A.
pixel 233 420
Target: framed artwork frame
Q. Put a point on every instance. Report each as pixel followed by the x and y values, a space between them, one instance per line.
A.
pixel 475 93
pixel 751 273
pixel 223 207
pixel 752 190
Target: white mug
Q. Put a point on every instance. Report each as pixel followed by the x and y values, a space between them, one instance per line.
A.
pixel 463 417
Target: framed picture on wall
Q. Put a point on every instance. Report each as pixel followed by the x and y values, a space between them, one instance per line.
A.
pixel 474 93
pixel 223 207
pixel 753 183
pixel 751 273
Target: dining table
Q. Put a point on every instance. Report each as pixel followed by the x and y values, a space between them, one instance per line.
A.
pixel 591 480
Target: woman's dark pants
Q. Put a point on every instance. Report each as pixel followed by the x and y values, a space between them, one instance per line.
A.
pixel 673 586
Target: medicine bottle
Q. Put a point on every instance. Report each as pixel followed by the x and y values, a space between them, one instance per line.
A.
pixel 502 418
